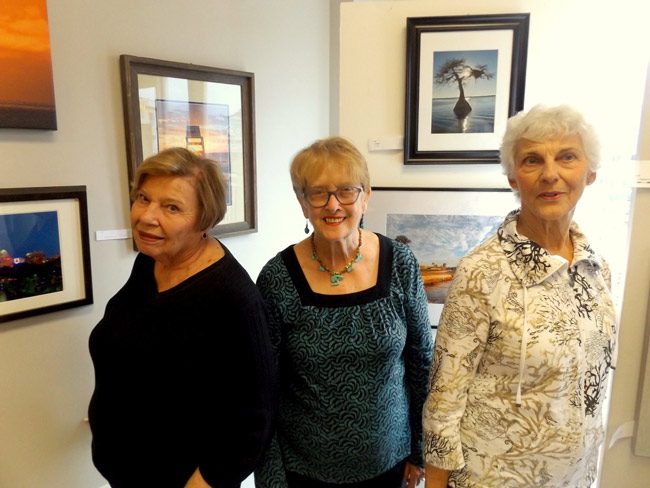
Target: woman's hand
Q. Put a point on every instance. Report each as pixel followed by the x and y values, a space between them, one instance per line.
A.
pixel 197 481
pixel 412 475
pixel 436 477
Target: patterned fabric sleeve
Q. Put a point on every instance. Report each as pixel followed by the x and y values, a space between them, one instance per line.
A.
pixel 607 277
pixel 460 341
pixel 418 350
pixel 271 472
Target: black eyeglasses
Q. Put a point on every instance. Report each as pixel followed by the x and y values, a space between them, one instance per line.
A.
pixel 318 197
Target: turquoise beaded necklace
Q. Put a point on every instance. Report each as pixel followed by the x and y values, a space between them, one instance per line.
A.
pixel 336 276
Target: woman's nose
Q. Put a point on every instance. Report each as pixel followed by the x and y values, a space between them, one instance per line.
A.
pixel 150 214
pixel 550 171
pixel 332 202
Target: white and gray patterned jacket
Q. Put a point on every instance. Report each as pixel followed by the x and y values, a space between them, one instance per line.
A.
pixel 523 353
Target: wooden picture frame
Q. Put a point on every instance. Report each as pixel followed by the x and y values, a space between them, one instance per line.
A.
pixel 465 75
pixel 208 110
pixel 44 251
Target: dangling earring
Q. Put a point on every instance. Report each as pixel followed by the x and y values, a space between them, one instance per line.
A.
pixel 205 235
pixel 361 222
pixel 306 226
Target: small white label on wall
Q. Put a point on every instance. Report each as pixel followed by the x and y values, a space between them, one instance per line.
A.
pixel 386 143
pixel 109 235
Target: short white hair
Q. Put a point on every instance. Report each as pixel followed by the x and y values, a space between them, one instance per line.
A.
pixel 541 123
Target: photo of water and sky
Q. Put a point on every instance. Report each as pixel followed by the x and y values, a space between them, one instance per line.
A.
pixel 464 91
pixel 439 242
pixel 27 87
pixel 30 255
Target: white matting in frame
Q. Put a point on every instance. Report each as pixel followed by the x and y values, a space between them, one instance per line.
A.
pixel 440 225
pixel 44 251
pixel 433 43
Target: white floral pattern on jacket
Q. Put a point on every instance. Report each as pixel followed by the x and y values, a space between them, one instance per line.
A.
pixel 510 299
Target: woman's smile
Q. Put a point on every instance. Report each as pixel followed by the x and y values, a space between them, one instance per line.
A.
pixel 164 218
pixel 145 236
pixel 551 195
pixel 333 220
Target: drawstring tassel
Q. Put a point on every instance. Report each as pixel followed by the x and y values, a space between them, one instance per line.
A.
pixel 522 352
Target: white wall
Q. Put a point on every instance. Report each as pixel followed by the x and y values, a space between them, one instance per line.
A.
pixel 574 49
pixel 584 53
pixel 45 371
pixel 633 337
pixel 580 51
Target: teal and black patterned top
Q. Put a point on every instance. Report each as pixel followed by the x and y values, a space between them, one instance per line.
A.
pixel 353 371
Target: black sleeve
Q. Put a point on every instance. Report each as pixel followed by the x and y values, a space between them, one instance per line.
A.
pixel 241 416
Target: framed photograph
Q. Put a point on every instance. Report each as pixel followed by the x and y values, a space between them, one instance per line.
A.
pixel 440 225
pixel 465 75
pixel 207 110
pixel 27 86
pixel 44 251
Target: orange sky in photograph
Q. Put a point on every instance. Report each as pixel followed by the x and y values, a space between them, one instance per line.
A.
pixel 25 62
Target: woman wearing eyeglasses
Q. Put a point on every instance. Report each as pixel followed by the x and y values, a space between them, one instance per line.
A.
pixel 348 318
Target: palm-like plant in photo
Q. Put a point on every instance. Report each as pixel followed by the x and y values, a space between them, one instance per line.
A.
pixel 457 71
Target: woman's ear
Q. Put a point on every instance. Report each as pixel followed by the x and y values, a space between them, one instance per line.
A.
pixel 366 199
pixel 513 184
pixel 591 177
pixel 303 205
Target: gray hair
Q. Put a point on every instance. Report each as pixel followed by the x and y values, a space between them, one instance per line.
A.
pixel 541 123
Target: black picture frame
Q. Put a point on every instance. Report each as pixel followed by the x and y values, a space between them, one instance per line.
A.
pixel 437 133
pixel 207 109
pixel 44 251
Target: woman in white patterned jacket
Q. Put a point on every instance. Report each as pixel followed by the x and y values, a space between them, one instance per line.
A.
pixel 527 336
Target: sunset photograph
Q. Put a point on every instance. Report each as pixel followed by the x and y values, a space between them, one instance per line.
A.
pixel 27 89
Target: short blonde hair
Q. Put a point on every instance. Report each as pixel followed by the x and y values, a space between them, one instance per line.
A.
pixel 541 123
pixel 310 162
pixel 208 180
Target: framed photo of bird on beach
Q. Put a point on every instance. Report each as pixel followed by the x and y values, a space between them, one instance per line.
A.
pixel 465 76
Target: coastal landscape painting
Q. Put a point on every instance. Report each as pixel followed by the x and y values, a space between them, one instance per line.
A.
pixel 440 226
pixel 27 87
pixel 439 242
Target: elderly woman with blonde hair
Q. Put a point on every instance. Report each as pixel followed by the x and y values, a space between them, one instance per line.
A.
pixel 348 318
pixel 526 340
pixel 184 378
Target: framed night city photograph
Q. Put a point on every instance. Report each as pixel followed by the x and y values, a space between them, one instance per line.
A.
pixel 465 75
pixel 207 110
pixel 44 251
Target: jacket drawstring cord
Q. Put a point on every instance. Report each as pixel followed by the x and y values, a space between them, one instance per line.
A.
pixel 522 354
